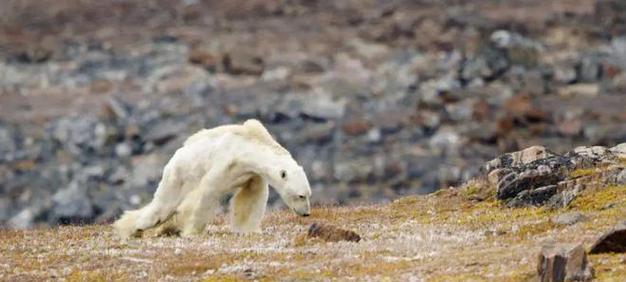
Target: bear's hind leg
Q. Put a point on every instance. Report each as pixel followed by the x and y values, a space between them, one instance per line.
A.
pixel 167 197
pixel 248 205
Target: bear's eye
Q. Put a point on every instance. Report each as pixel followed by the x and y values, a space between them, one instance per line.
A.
pixel 283 174
pixel 302 197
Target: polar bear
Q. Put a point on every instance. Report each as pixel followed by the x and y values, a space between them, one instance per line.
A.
pixel 244 159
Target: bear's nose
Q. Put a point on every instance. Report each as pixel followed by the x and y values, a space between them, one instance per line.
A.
pixel 306 214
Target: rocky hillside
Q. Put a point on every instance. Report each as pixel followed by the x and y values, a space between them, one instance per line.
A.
pixel 377 99
pixel 470 233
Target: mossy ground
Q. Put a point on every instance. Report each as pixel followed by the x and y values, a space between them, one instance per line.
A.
pixel 439 237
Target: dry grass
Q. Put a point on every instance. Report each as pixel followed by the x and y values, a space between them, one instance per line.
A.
pixel 440 237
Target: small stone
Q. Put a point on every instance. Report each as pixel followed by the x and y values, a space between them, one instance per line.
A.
pixel 613 241
pixel 164 131
pixel 356 127
pixel 570 127
pixel 239 63
pixel 123 150
pixel 178 251
pixel 569 218
pixel 116 109
pixel 583 89
pixel 330 233
pixel 318 133
pixel 204 58
pixel 564 263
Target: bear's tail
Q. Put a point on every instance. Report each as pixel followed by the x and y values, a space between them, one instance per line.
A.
pixel 125 227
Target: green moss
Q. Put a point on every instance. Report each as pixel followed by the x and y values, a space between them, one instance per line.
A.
pixel 582 172
pixel 91 276
pixel 223 278
pixel 599 199
pixel 477 190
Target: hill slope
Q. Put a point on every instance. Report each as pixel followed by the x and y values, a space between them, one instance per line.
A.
pixel 440 237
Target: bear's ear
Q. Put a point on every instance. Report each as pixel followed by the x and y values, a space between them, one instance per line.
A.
pixel 257 129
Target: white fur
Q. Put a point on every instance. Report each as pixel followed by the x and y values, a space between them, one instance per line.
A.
pixel 244 159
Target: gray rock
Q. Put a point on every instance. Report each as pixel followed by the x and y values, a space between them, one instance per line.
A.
pixel 357 170
pixel 24 219
pixel 565 72
pixel 72 204
pixel 593 152
pixel 536 196
pixel 519 158
pixel 619 150
pixel 164 131
pixel 146 170
pixel 317 133
pixel 590 68
pixel 79 135
pixel 243 63
pixel 621 177
pixel 118 109
pixel 520 50
pixel 324 107
pixel 123 150
pixel 564 263
pixel 569 218
pixel 8 146
pixel 445 141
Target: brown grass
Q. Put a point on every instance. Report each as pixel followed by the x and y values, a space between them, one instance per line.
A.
pixel 439 237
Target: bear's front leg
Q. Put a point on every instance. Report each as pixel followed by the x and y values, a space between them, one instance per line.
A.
pixel 199 207
pixel 247 207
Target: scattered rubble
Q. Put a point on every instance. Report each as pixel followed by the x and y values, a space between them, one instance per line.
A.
pixel 376 103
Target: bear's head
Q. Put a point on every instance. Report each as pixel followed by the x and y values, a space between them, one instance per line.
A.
pixel 291 183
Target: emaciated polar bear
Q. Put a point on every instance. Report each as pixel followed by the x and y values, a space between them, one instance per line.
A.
pixel 232 158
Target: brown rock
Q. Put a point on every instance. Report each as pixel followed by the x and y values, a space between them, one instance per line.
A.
pixel 101 86
pixel 613 241
pixel 330 233
pixel 524 109
pixel 356 127
pixel 570 127
pixel 243 63
pixel 564 263
pixel 203 58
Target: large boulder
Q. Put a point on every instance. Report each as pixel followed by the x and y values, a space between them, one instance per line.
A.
pixel 564 263
pixel 537 176
pixel 613 241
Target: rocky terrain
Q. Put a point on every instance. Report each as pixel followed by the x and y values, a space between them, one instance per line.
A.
pixel 377 99
pixel 467 233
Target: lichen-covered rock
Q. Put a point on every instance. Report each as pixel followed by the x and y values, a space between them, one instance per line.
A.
pixel 535 176
pixel 519 158
pixel 564 263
